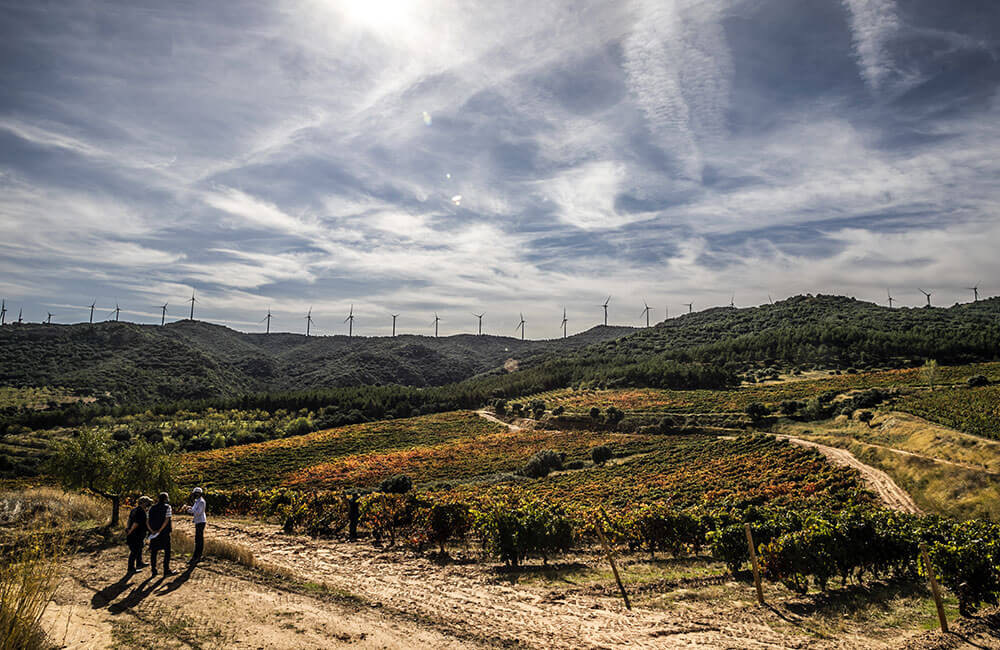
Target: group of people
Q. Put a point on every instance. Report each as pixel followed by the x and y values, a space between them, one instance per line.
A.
pixel 149 521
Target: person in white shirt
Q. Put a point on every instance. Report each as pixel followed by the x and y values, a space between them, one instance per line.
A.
pixel 197 510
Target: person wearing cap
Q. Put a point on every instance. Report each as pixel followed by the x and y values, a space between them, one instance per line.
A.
pixel 159 532
pixel 197 510
pixel 135 533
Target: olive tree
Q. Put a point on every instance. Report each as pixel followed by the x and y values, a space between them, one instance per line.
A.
pixel 93 461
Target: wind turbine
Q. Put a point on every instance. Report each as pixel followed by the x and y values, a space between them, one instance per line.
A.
pixel 564 321
pixel 309 320
pixel 520 326
pixel 19 313
pixel 394 317
pixel 928 295
pixel 975 292
pixel 268 319
pixel 732 301
pixel 645 312
pixel 436 320
pixel 49 321
pixel 92 305
pixel 3 312
pixel 115 311
pixel 769 299
pixel 889 294
pixel 480 317
pixel 689 305
pixel 350 321
pixel 163 314
pixel 192 301
pixel 606 311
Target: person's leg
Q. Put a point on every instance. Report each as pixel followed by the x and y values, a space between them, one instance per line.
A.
pixel 199 541
pixel 166 554
pixel 134 555
pixel 154 548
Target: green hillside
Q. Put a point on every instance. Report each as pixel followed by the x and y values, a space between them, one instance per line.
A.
pixel 197 360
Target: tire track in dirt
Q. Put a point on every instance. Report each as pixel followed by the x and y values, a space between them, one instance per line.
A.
pixel 467 600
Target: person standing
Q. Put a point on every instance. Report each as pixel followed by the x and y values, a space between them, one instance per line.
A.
pixel 135 533
pixel 197 510
pixel 159 528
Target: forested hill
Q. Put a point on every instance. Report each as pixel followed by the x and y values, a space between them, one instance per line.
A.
pixel 197 360
pixel 825 331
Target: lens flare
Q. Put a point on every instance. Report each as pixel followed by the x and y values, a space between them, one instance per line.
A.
pixel 457 199
pixel 427 118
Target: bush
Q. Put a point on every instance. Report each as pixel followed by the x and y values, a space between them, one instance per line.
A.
pixel 513 533
pixel 444 521
pixel 559 410
pixel 969 564
pixel 757 411
pixel 601 455
pixel 500 407
pixel 978 381
pixel 298 427
pixel 790 406
pixel 537 408
pixel 541 464
pixel 866 417
pixel 614 415
pixel 595 412
pixel 398 484
pixel 384 514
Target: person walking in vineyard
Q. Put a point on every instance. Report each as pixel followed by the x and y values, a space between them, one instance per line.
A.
pixel 135 533
pixel 159 527
pixel 197 510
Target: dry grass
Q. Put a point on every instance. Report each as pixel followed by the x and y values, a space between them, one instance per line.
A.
pixel 184 543
pixel 28 578
pixel 49 508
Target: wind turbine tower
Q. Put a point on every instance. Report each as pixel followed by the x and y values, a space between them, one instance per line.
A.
pixel 3 312
pixel 732 301
pixel 520 326
pixel 267 329
pixel 975 293
pixel 394 317
pixel 92 305
pixel 480 317
pixel 564 321
pixel 927 294
pixel 605 305
pixel 436 321
pixel 309 320
pixel 49 321
pixel 192 301
pixel 645 312
pixel 19 314
pixel 116 311
pixel 350 322
pixel 689 305
pixel 891 299
pixel 163 314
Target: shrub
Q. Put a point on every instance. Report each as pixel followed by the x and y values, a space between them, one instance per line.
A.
pixel 977 381
pixel 500 407
pixel 444 521
pixel 537 408
pixel 757 411
pixel 513 533
pixel 790 406
pixel 969 564
pixel 559 410
pixel 595 412
pixel 866 417
pixel 298 427
pixel 384 514
pixel 614 415
pixel 601 455
pixel 541 464
pixel 28 579
pixel 398 484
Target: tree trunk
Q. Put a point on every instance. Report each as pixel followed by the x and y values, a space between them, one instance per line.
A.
pixel 115 509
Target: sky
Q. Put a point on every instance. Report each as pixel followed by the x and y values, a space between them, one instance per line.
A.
pixel 520 157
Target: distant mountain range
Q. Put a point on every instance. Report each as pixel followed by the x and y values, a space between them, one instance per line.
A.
pixel 194 359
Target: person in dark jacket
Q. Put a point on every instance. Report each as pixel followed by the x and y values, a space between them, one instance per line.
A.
pixel 159 532
pixel 135 533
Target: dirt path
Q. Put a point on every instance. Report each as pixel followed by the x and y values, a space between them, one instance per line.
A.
pixel 891 494
pixel 486 415
pixel 472 603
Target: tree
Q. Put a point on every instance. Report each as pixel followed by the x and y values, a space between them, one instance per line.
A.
pixel 92 461
pixel 866 417
pixel 931 372
pixel 757 411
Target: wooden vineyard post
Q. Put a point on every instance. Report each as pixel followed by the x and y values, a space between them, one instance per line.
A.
pixel 935 589
pixel 611 558
pixel 756 567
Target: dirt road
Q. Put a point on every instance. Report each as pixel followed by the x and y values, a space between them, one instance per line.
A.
pixel 878 481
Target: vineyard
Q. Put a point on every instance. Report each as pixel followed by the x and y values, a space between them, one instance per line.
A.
pixel 972 410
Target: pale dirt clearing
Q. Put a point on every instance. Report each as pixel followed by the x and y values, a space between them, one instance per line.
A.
pixel 217 605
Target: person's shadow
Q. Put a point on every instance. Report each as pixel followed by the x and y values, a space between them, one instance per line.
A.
pixel 177 582
pixel 103 597
pixel 136 596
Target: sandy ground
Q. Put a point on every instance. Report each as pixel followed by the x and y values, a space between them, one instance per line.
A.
pixel 217 605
